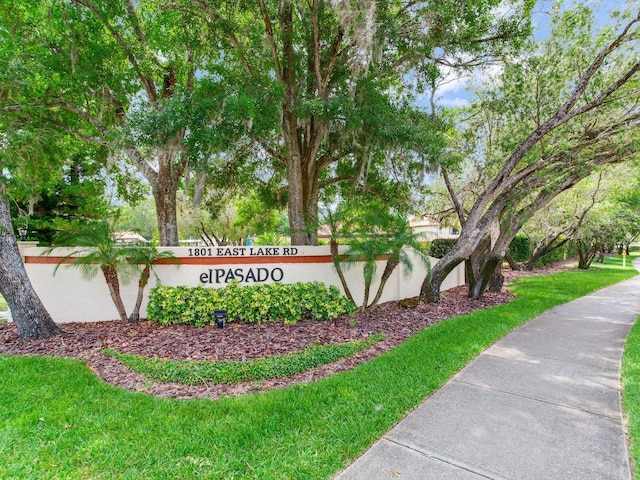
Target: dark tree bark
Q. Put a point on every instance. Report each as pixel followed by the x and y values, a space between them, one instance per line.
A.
pixel 475 266
pixel 142 283
pixel 111 277
pixel 388 270
pixel 27 311
pixel 511 184
pixel 586 253
pixel 335 256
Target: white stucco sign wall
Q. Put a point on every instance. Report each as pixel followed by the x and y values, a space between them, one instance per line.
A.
pixel 70 298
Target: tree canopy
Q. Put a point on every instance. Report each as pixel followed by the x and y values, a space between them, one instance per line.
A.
pixel 562 111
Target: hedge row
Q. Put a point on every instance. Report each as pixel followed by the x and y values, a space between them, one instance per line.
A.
pixel 441 246
pixel 254 304
pixel 520 248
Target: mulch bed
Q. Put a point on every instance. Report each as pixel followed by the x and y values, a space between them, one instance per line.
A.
pixel 240 341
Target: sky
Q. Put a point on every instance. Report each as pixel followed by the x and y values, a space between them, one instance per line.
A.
pixel 455 93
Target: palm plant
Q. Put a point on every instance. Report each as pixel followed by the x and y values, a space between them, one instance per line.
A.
pixel 400 240
pixel 94 250
pixel 366 248
pixel 333 222
pixel 375 235
pixel 144 256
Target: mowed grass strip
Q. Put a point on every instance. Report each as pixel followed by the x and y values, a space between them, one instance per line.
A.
pixel 278 366
pixel 57 420
pixel 631 394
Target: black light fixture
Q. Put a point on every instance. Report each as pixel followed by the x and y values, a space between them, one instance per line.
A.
pixel 22 233
pixel 221 317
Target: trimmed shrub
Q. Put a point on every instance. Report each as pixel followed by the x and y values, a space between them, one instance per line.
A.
pixel 424 247
pixel 441 246
pixel 520 248
pixel 254 303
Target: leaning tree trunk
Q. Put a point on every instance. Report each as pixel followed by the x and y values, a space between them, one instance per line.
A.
pixel 336 263
pixel 388 270
pixel 142 283
pixel 111 277
pixel 489 276
pixel 430 289
pixel 543 250
pixel 497 279
pixel 27 311
pixel 515 266
pixel 475 266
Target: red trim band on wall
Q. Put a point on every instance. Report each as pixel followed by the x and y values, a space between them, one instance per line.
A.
pixel 210 260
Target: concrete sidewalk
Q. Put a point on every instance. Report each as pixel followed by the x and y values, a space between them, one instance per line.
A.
pixel 542 403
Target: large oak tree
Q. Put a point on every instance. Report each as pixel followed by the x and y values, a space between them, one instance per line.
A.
pixel 564 111
pixel 338 73
pixel 123 75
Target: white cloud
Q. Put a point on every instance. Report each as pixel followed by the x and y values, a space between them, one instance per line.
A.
pixel 454 102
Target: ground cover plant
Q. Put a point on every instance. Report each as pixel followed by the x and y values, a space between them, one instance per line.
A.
pixel 58 421
pixel 195 372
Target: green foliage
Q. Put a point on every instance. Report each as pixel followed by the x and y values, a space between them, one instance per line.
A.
pixel 520 248
pixel 255 216
pixel 631 392
pixel 424 247
pixel 441 246
pixel 254 303
pixel 309 431
pixel 197 372
pixel 78 196
pixel 94 250
pixel 558 254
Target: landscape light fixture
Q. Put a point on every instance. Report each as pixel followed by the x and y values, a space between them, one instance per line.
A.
pixel 22 233
pixel 221 317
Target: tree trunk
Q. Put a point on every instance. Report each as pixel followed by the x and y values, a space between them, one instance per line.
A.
pixel 430 290
pixel 295 205
pixel 165 200
pixel 388 270
pixel 171 164
pixel 584 250
pixel 515 266
pixel 27 311
pixel 475 267
pixel 497 279
pixel 302 177
pixel 336 263
pixel 111 277
pixel 142 283
pixel 545 249
pixel 365 301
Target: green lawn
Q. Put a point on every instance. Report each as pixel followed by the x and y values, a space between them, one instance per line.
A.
pixel 3 304
pixel 631 394
pixel 59 421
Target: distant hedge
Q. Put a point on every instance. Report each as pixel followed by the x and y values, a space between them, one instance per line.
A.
pixel 441 246
pixel 273 302
pixel 568 250
pixel 520 248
